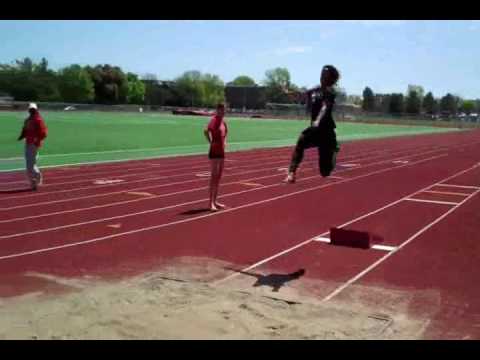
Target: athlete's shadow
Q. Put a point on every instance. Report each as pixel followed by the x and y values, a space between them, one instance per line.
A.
pixel 195 211
pixel 275 281
pixel 15 191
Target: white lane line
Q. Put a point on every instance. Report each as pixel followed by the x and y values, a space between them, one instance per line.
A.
pixel 107 181
pixel 321 236
pixel 107 161
pixel 433 201
pixel 154 157
pixel 279 149
pixel 249 183
pixel 166 167
pixel 173 169
pixel 347 165
pixel 160 185
pixel 375 247
pixel 42 250
pixel 163 195
pixel 183 204
pixel 155 177
pixel 322 239
pixel 62 212
pixel 446 192
pixel 460 186
pixel 160 174
pixel 202 146
pixel 138 193
pixel 143 159
pixel 406 242
pixel 115 192
pixel 384 247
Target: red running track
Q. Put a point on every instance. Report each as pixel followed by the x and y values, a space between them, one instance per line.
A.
pixel 417 195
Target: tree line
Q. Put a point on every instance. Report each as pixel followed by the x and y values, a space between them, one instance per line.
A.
pixel 26 80
pixel 416 102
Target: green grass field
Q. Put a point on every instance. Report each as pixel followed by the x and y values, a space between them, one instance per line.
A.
pixel 83 137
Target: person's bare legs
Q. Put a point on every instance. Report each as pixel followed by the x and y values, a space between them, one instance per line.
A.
pixel 213 177
pixel 214 182
pixel 221 163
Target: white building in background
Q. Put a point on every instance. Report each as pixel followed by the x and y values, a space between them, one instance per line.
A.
pixel 6 99
pixel 6 102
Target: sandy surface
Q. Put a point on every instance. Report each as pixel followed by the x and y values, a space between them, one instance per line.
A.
pixel 172 304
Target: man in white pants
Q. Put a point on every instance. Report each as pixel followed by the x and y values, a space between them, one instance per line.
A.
pixel 34 131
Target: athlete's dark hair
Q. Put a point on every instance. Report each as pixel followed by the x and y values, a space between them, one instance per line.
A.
pixel 333 72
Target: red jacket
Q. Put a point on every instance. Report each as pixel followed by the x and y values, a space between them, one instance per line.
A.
pixel 34 130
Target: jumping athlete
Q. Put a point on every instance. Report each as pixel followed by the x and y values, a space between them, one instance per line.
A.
pixel 321 132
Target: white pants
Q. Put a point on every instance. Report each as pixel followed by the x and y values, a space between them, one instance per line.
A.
pixel 33 172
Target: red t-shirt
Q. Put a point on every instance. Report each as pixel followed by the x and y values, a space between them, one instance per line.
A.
pixel 34 130
pixel 218 130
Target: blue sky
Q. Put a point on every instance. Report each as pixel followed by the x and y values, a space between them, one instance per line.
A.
pixel 387 55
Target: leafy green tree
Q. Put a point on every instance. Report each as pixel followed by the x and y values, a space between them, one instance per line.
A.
pixel 396 103
pixel 136 89
pixel 368 100
pixel 413 103
pixel 448 104
pixel 243 80
pixel 277 83
pixel 76 85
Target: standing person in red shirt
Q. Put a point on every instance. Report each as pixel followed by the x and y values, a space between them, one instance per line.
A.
pixel 34 131
pixel 216 134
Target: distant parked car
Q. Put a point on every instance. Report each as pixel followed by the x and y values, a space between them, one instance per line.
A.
pixel 70 108
pixel 473 117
